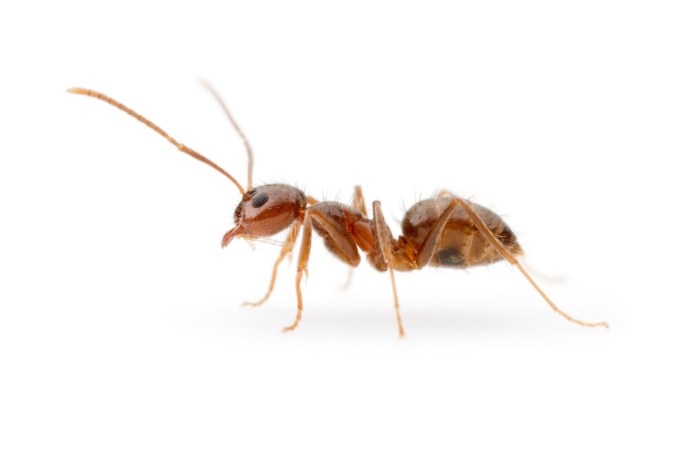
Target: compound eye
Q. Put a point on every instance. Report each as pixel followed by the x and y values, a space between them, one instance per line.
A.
pixel 259 200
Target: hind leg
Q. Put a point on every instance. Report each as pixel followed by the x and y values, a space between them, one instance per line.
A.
pixel 506 254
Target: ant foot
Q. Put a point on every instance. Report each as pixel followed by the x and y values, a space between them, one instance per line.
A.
pixel 295 323
pixel 253 303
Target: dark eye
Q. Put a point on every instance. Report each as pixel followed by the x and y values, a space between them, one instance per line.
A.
pixel 259 200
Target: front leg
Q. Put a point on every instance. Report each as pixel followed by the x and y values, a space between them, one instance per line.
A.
pixel 338 242
pixel 285 250
pixel 303 258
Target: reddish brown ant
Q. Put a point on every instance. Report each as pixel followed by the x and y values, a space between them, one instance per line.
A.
pixel 444 231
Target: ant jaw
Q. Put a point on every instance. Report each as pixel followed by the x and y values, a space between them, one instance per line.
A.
pixel 229 235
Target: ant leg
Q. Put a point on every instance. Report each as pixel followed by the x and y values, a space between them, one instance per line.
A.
pixel 305 247
pixel 546 277
pixel 359 203
pixel 430 245
pixel 348 281
pixel 494 241
pixel 289 243
pixel 383 248
pixel 311 200
pixel 341 245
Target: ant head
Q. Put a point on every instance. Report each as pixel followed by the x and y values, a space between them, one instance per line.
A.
pixel 266 210
pixel 263 211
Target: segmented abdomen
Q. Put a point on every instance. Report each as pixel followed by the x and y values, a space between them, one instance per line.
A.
pixel 461 243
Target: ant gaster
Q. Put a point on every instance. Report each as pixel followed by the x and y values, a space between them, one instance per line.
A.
pixel 444 231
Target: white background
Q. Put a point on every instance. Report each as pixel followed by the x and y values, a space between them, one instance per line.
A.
pixel 120 323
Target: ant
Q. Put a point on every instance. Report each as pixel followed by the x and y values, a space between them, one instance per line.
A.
pixel 443 231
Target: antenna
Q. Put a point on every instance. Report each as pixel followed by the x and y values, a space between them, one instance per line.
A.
pixel 160 131
pixel 249 151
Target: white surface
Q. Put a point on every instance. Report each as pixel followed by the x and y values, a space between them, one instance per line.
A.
pixel 120 323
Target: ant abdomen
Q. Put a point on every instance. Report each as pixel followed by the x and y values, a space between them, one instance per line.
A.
pixel 461 244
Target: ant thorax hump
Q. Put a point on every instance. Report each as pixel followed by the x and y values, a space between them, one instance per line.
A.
pixel 343 229
pixel 268 209
pixel 345 215
pixel 461 244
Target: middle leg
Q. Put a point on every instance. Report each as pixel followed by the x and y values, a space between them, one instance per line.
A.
pixel 383 248
pixel 358 203
pixel 506 254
